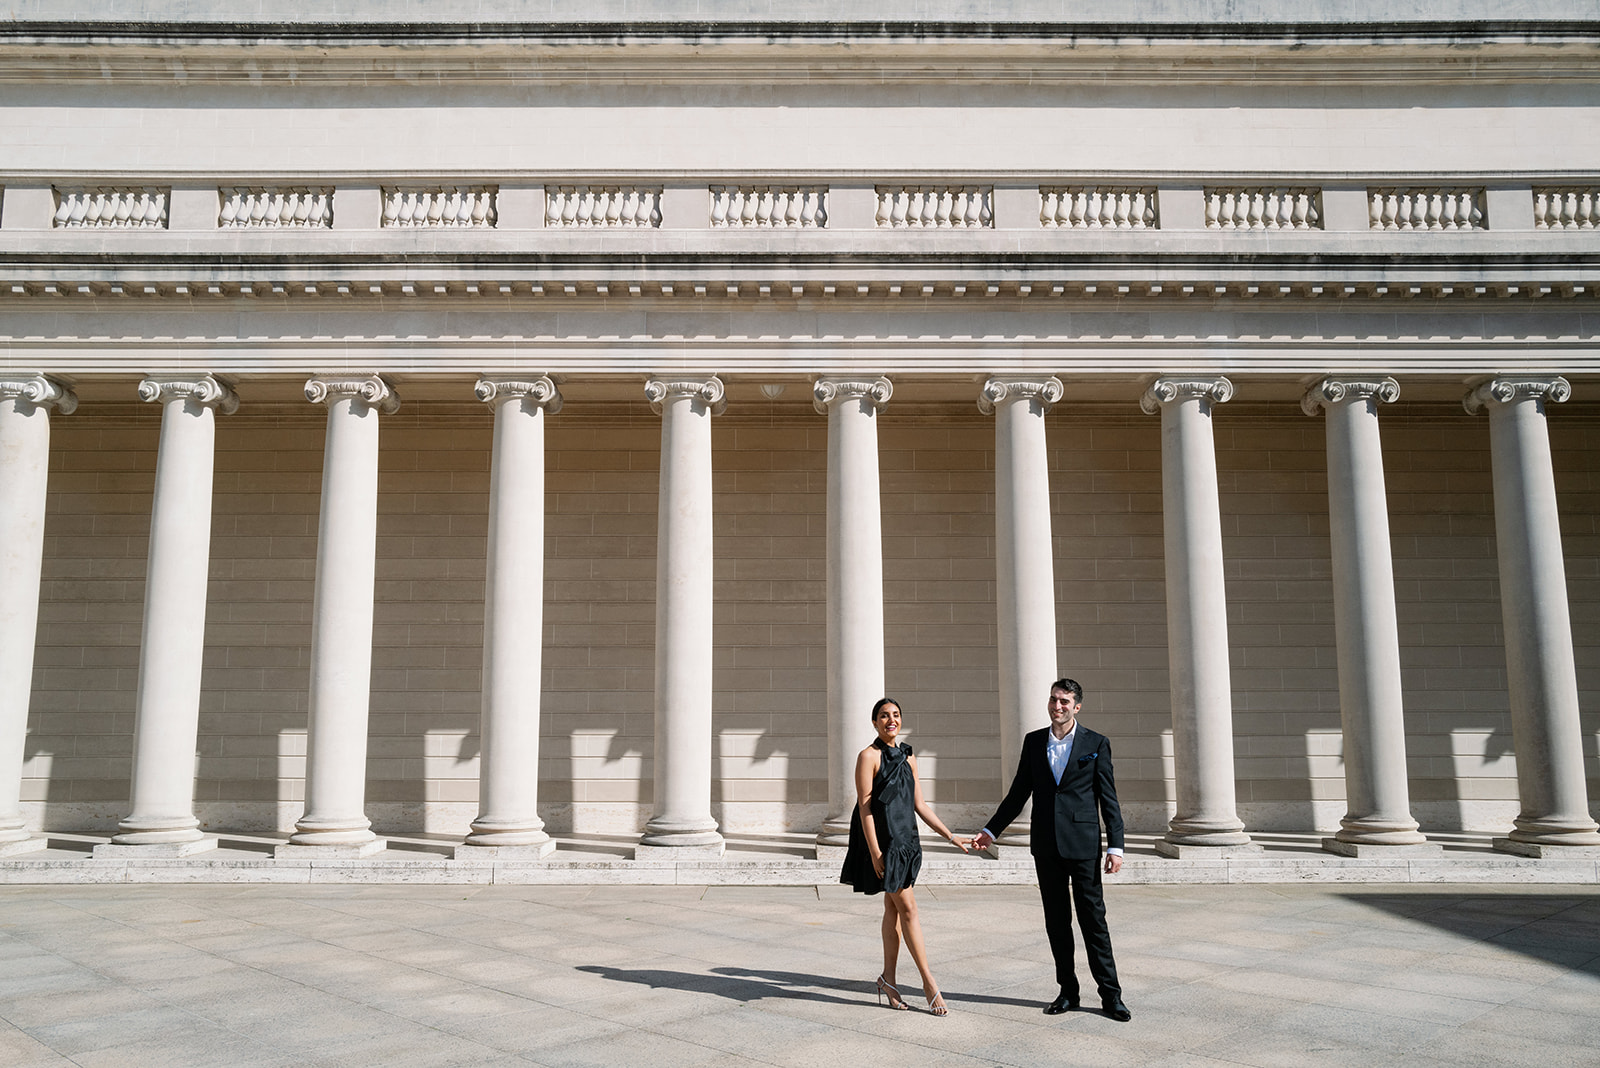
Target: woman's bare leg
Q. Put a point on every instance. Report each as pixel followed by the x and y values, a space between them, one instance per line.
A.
pixel 905 903
pixel 891 938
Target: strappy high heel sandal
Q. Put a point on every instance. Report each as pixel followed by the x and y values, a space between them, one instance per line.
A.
pixel 936 1005
pixel 888 990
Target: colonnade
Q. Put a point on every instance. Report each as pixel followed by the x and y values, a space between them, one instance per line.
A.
pixel 161 822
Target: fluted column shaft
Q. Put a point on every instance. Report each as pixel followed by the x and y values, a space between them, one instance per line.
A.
pixel 1025 593
pixel 513 617
pixel 1366 627
pixel 1541 672
pixel 1197 613
pixel 855 584
pixel 682 815
pixel 341 628
pixel 25 403
pixel 167 716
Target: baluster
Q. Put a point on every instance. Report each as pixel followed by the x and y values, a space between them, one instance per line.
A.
pixel 1584 212
pixel 762 199
pixel 653 202
pixel 749 204
pixel 63 216
pixel 125 204
pixel 1566 215
pixel 1391 210
pixel 881 216
pixel 1419 210
pixel 1047 207
pixel 1462 216
pixel 636 208
pixel 808 206
pixel 319 211
pixel 1299 203
pixel 792 208
pixel 411 207
pixel 1213 210
pixel 1435 214
pixel 985 208
pixel 608 206
pixel 568 205
pixel 899 207
pixel 1285 215
pixel 1541 209
pixel 552 206
pixel 1138 204
pixel 484 214
pixel 719 205
pixel 936 207
pixel 230 208
pixel 1258 210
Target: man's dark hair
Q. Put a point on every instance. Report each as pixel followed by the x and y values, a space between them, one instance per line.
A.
pixel 1071 687
pixel 885 701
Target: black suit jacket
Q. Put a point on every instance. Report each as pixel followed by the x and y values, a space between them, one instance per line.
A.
pixel 1065 817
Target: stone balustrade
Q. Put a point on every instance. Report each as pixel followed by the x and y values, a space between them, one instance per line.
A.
pixel 112 207
pixel 1425 208
pixel 1098 207
pixel 451 205
pixel 254 207
pixel 1566 208
pixel 948 207
pixel 602 206
pixel 1263 208
pixel 789 207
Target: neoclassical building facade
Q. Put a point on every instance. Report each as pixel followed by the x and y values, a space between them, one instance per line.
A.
pixel 570 424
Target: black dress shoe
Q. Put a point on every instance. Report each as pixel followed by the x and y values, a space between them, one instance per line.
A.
pixel 1117 1010
pixel 1064 1002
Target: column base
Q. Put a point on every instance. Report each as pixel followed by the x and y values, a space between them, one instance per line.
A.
pixel 1544 850
pixel 331 851
pixel 23 846
pixel 834 854
pixel 530 851
pixel 114 850
pixel 686 851
pixel 1203 851
pixel 1381 849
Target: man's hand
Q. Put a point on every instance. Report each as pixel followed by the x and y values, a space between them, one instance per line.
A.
pixel 1113 863
pixel 982 841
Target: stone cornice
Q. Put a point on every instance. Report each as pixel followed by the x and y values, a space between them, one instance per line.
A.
pixel 540 391
pixel 38 390
pixel 1166 389
pixel 875 391
pixel 1337 389
pixel 1510 389
pixel 205 390
pixel 372 390
pixel 707 390
pixel 1000 389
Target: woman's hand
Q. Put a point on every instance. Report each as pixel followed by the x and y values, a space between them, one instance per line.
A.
pixel 877 864
pixel 963 844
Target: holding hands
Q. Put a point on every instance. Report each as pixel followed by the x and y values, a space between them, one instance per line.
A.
pixel 982 841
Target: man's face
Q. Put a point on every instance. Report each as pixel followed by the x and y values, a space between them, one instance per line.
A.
pixel 1063 709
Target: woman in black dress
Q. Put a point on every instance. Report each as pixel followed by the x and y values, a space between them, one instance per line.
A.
pixel 884 853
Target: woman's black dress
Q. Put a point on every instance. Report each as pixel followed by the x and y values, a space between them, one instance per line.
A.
pixel 894 816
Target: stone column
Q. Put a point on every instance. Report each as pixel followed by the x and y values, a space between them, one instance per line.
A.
pixel 1541 672
pixel 1197 618
pixel 1378 817
pixel 167 717
pixel 335 822
pixel 682 817
pixel 855 586
pixel 508 820
pixel 1025 589
pixel 25 403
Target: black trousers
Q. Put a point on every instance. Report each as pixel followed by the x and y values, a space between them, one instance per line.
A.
pixel 1061 879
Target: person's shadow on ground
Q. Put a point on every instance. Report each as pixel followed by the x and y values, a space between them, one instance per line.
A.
pixel 755 984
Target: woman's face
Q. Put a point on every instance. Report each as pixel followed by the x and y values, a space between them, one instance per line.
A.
pixel 888 722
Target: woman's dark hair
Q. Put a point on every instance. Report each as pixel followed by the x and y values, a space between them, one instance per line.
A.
pixel 879 706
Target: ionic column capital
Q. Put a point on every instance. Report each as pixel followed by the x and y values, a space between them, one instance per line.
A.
pixel 1002 388
pixel 540 391
pixel 1334 390
pixel 1165 390
pixel 708 390
pixel 205 390
pixel 1508 390
pixel 39 390
pixel 372 390
pixel 875 391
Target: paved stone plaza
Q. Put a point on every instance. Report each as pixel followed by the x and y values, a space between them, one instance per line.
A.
pixel 613 975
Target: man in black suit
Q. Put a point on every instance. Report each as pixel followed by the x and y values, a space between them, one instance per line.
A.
pixel 1066 769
